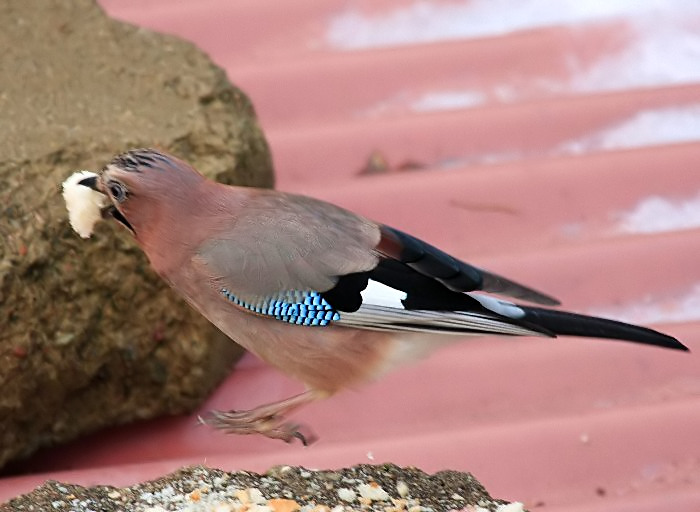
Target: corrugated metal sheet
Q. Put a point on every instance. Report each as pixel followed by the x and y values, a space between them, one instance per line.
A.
pixel 555 142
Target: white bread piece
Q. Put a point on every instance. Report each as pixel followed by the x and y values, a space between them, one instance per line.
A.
pixel 83 203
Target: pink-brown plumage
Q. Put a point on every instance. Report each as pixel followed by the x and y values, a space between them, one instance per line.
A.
pixel 327 296
pixel 325 359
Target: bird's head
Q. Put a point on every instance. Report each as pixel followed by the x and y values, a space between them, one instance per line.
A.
pixel 144 187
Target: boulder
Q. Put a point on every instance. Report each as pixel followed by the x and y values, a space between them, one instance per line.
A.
pixel 89 335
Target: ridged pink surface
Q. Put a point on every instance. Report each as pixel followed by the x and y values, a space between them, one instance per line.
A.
pixel 541 148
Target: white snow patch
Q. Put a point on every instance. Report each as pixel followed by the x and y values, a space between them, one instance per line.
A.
pixel 422 21
pixel 426 101
pixel 685 308
pixel 663 50
pixel 658 215
pixel 672 125
pixel 660 46
pixel 655 127
pixel 447 100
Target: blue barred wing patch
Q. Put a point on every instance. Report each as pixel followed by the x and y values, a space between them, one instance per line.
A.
pixel 296 307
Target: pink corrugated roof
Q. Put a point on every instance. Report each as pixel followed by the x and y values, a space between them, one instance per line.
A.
pixel 555 142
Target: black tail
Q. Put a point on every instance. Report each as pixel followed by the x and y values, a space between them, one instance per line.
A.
pixel 572 324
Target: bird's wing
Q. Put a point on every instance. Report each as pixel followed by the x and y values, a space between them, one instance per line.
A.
pixel 308 262
pixel 452 273
pixel 282 250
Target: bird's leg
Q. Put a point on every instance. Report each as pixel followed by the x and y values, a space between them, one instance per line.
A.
pixel 267 419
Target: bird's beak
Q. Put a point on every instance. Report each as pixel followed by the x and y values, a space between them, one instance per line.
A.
pixel 91 182
pixel 95 183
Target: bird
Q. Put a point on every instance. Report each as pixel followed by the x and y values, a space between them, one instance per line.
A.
pixel 324 295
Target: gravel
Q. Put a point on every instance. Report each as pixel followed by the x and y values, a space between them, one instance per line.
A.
pixel 386 488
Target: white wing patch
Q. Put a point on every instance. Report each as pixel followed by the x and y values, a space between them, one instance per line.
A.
pixel 379 294
pixel 501 307
pixel 382 310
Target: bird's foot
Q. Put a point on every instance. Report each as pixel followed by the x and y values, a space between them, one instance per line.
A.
pixel 267 420
pixel 252 422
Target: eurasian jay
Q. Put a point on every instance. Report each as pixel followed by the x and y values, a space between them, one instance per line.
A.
pixel 326 296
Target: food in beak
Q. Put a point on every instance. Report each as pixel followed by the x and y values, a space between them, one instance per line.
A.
pixel 83 202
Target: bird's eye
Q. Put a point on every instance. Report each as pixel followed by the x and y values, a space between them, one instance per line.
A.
pixel 117 191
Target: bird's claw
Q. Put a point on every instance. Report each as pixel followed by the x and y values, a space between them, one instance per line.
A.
pixel 247 422
pixel 307 438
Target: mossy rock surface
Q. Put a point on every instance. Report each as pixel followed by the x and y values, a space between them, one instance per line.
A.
pixel 89 335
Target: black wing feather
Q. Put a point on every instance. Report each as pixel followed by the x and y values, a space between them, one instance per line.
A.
pixel 454 274
pixel 435 281
pixel 573 324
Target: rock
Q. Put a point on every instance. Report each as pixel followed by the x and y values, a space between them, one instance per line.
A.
pixel 364 487
pixel 89 335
